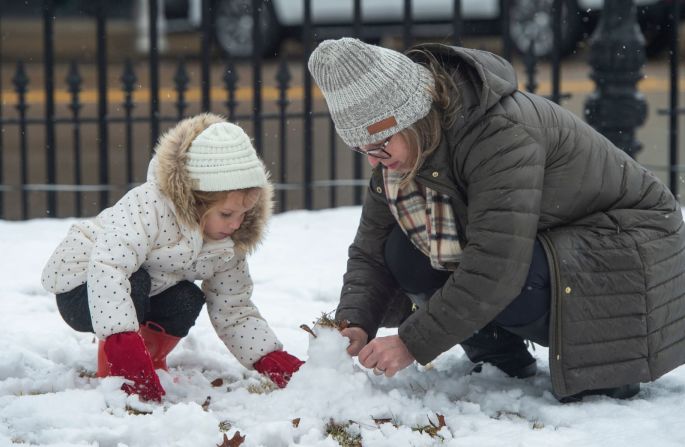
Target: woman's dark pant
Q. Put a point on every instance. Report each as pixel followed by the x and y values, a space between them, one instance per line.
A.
pixel 527 315
pixel 175 309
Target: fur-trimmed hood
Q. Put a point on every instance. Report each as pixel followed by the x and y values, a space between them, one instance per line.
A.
pixel 168 171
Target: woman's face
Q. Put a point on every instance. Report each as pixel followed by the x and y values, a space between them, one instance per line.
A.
pixel 402 157
pixel 226 216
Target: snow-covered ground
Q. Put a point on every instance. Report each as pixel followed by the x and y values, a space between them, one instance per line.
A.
pixel 48 396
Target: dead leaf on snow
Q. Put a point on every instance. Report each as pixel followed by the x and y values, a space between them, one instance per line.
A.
pixel 341 434
pixel 432 429
pixel 441 421
pixel 235 441
pixel 217 382
pixel 381 421
pixel 296 422
pixel 136 412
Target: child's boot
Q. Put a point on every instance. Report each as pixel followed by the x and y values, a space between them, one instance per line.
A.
pixel 159 344
pixel 103 364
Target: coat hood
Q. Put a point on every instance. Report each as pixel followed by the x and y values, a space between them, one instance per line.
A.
pixel 167 170
pixel 482 78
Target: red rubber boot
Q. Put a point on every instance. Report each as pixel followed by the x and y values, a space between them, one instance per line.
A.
pixel 103 364
pixel 159 344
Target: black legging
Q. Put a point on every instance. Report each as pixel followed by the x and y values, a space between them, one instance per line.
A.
pixel 413 272
pixel 175 309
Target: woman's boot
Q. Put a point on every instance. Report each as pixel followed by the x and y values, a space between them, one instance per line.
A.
pixel 502 349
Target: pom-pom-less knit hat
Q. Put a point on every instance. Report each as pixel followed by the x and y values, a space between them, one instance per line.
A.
pixel 372 92
pixel 221 158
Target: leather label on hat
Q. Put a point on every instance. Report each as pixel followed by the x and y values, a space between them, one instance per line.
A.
pixel 381 125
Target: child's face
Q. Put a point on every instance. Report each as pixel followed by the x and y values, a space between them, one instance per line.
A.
pixel 224 218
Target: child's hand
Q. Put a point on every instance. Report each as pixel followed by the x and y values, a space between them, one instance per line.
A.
pixel 279 366
pixel 129 357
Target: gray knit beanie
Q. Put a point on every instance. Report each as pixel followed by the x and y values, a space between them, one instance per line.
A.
pixel 371 92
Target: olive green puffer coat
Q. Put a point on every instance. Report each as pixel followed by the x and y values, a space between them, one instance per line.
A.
pixel 518 167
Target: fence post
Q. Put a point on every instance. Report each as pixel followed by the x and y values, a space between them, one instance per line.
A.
pixel 207 30
pixel 674 110
pixel 2 145
pixel 307 38
pixel 257 117
pixel 48 70
pixel 153 11
pixel 617 54
pixel 103 127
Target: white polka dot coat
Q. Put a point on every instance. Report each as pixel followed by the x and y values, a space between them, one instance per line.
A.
pixel 154 227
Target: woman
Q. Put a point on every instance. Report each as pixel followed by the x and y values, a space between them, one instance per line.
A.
pixel 503 217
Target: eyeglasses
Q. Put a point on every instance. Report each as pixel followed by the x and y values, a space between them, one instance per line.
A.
pixel 377 151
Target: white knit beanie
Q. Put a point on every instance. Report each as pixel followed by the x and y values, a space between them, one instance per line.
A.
pixel 372 92
pixel 221 158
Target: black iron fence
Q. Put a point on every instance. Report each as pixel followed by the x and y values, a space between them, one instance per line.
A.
pixel 674 110
pixel 80 158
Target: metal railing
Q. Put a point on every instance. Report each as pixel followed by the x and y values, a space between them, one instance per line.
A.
pixel 90 157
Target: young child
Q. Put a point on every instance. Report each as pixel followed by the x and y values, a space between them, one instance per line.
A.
pixel 127 275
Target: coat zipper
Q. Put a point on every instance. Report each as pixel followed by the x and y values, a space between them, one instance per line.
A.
pixel 555 357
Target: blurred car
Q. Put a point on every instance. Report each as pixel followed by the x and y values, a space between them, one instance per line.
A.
pixel 529 21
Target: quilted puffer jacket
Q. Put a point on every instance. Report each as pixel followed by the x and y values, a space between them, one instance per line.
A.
pixel 518 167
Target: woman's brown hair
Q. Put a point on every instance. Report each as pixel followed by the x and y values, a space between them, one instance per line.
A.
pixel 423 137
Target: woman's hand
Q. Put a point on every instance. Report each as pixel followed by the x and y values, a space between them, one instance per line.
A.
pixel 386 355
pixel 358 339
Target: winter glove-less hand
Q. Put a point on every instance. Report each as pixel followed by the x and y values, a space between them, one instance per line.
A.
pixel 128 356
pixel 279 366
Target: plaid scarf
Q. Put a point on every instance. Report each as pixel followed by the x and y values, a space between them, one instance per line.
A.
pixel 426 218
